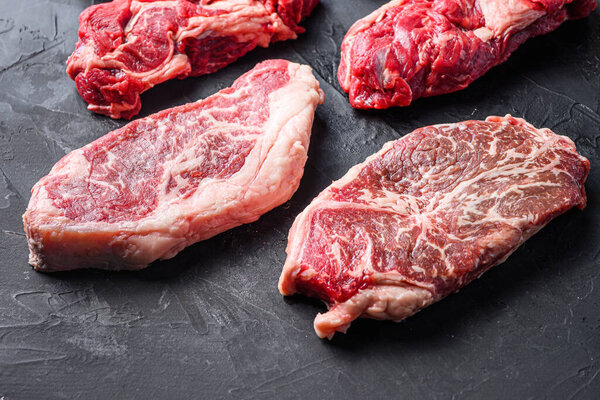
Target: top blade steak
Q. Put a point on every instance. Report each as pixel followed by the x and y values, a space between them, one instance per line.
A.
pixel 161 183
pixel 127 46
pixel 426 215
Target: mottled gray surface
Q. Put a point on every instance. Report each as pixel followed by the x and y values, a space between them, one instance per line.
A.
pixel 211 324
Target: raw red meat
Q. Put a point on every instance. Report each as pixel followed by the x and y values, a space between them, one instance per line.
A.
pixel 417 48
pixel 161 183
pixel 127 46
pixel 428 214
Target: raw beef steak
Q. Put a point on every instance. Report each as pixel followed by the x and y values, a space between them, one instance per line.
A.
pixel 127 46
pixel 428 214
pixel 161 183
pixel 416 48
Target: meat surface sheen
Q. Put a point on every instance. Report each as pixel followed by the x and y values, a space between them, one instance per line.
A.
pixel 161 183
pixel 417 48
pixel 127 46
pixel 426 215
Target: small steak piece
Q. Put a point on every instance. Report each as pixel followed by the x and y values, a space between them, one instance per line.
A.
pixel 127 46
pixel 426 215
pixel 417 48
pixel 161 183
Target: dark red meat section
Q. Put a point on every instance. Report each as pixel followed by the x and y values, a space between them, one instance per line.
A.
pixel 125 47
pixel 419 48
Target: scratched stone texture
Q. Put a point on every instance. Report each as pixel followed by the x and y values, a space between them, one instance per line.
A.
pixel 210 323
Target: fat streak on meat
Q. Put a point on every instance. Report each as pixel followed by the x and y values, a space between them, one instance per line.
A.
pixel 127 46
pixel 416 48
pixel 161 183
pixel 426 215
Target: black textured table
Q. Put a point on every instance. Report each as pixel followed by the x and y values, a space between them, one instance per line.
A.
pixel 210 323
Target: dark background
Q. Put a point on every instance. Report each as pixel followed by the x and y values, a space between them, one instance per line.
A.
pixel 210 323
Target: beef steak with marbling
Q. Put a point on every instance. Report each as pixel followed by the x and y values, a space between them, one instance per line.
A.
pixel 128 46
pixel 426 215
pixel 161 183
pixel 417 48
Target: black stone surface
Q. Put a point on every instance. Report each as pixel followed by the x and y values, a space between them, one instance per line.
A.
pixel 211 324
